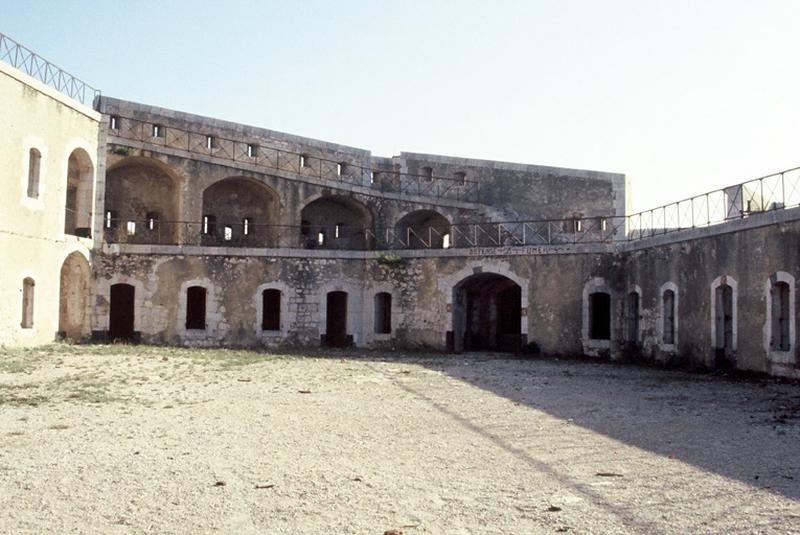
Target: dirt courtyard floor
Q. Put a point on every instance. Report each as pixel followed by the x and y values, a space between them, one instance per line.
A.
pixel 127 439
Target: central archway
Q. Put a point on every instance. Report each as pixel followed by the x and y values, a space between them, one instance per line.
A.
pixel 487 314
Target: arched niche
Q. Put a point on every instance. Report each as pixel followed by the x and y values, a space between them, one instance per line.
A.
pixel 423 229
pixel 240 211
pixel 335 222
pixel 78 206
pixel 142 203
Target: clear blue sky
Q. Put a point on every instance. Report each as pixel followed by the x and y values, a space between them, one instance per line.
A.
pixel 682 96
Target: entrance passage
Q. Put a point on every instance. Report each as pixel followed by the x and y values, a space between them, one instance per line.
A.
pixel 121 312
pixel 336 320
pixel 487 314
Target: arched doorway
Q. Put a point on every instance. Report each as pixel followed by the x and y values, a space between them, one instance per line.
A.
pixel 487 314
pixel 73 314
pixel 121 312
pixel 724 323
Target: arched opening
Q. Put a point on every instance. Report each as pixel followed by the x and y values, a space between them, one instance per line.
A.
pixel 121 312
pixel 142 203
pixel 599 316
pixel 73 314
pixel 28 286
pixel 383 313
pixel 335 222
pixel 80 180
pixel 336 320
pixel 240 212
pixel 724 354
pixel 632 320
pixel 423 229
pixel 487 314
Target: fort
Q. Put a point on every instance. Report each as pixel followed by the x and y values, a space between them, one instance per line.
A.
pixel 124 221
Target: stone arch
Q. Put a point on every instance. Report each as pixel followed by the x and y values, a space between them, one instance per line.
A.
pixel 242 211
pixel 74 297
pixel 145 192
pixel 448 284
pixel 80 189
pixel 335 222
pixel 423 229
pixel 487 313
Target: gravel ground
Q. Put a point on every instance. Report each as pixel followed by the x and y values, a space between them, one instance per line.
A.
pixel 114 440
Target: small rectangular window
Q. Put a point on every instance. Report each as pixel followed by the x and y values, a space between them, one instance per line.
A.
pixel 111 219
pixel 372 175
pixel 303 160
pixel 158 130
pixel 336 230
pixel 27 303
pixel 446 241
pixel 603 224
pixel 461 177
pixel 152 221
pixel 246 226
pixel 578 225
pixel 252 151
pixel 34 165
pixel 228 233
pixel 131 228
pixel 320 238
pixel 210 143
pixel 427 173
pixel 339 169
pixel 114 122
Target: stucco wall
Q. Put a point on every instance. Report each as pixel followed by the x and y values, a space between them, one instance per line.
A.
pixel 32 239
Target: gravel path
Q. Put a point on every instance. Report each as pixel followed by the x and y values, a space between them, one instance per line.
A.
pixel 177 441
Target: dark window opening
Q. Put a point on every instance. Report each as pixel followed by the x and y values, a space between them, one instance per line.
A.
pixel 158 130
pixel 669 316
pixel 427 173
pixel 34 165
pixel 111 219
pixel 779 339
pixel 304 161
pixel 339 169
pixel 600 316
pixel 27 303
pixel 196 307
pixel 211 143
pixel 577 225
pixel 372 177
pixel 209 224
pixel 271 310
pixel 383 313
pixel 461 177
pixel 114 122
pixel 252 151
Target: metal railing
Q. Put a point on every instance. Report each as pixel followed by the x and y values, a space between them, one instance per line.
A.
pixel 32 64
pixel 359 238
pixel 747 199
pixel 253 152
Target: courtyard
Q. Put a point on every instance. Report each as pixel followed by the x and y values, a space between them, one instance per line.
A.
pixel 139 439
